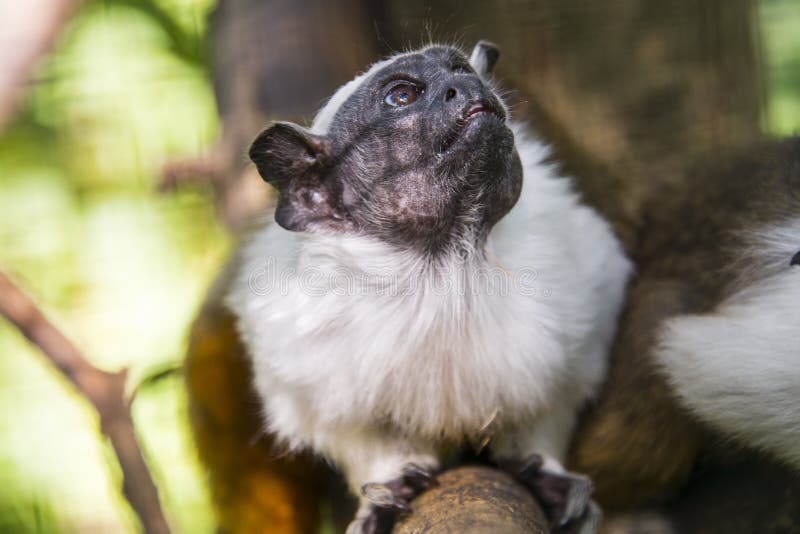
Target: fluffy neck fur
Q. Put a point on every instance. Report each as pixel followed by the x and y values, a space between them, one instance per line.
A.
pixel 440 350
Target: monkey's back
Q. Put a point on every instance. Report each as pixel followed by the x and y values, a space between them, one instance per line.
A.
pixel 703 241
pixel 702 230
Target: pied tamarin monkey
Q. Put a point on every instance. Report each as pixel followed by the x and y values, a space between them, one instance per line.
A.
pixel 426 287
pixel 425 284
pixel 707 346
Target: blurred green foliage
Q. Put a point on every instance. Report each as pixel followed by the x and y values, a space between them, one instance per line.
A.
pixel 120 267
pixel 123 269
pixel 779 22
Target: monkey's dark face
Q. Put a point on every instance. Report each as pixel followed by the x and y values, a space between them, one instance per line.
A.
pixel 418 154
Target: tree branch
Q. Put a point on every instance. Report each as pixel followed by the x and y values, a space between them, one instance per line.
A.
pixel 106 392
pixel 474 499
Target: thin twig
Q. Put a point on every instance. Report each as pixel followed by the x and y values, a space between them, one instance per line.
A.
pixel 106 391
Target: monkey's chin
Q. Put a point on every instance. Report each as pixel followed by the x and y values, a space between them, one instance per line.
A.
pixel 483 129
pixel 482 139
pixel 454 134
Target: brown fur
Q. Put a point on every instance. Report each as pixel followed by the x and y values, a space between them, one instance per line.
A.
pixel 637 443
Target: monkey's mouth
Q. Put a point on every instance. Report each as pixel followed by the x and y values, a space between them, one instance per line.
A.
pixel 473 113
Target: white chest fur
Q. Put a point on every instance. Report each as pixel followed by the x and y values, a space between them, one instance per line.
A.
pixel 348 332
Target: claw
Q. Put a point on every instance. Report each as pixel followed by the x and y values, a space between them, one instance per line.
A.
pixel 575 498
pixel 383 496
pixel 385 501
pixel 565 497
pixel 587 523
pixel 531 467
pixel 418 477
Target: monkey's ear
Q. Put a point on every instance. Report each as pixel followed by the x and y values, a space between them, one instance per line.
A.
pixel 296 162
pixel 285 151
pixel 484 57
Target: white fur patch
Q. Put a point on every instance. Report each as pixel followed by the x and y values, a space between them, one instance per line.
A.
pixel 738 368
pixel 325 116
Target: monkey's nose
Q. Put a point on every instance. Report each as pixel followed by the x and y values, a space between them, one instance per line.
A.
pixel 463 88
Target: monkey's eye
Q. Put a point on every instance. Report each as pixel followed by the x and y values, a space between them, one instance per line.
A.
pixel 402 94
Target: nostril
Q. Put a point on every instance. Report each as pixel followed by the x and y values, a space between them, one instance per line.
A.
pixel 450 94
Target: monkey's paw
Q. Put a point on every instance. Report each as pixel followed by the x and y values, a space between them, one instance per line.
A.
pixel 564 496
pixel 384 502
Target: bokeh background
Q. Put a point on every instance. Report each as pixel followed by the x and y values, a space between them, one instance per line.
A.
pixel 122 267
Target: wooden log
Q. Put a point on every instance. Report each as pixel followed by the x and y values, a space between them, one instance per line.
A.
pixel 473 500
